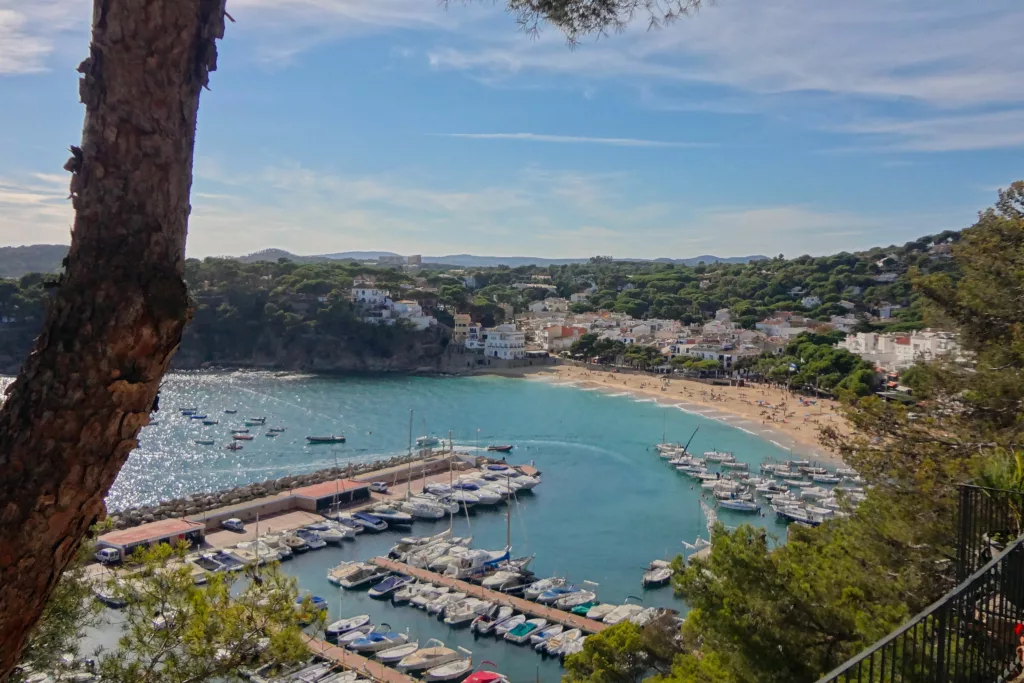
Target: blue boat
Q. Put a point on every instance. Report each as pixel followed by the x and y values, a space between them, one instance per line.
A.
pixel 372 642
pixel 556 593
pixel 318 603
pixel 390 585
pixel 197 417
pixel 369 522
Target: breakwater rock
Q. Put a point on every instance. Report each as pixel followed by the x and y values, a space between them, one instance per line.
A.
pixel 198 503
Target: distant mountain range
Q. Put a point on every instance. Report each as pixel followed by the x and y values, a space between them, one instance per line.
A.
pixel 471 260
pixel 46 258
pixel 35 258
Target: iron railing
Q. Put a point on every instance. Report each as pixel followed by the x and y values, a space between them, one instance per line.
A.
pixel 967 636
pixel 988 520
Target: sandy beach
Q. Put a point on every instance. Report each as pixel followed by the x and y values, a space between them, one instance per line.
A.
pixel 787 420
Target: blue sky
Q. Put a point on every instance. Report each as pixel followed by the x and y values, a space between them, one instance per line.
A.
pixel 755 126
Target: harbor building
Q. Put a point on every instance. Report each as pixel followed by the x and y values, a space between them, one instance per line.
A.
pixel 170 531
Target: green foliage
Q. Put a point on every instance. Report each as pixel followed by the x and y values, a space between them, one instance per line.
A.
pixel 590 347
pixel 68 613
pixel 811 361
pixel 764 612
pixel 174 631
pixel 624 653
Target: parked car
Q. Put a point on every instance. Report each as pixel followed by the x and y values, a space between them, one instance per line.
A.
pixel 379 486
pixel 233 524
pixel 108 556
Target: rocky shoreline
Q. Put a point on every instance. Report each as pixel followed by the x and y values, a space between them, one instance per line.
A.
pixel 198 503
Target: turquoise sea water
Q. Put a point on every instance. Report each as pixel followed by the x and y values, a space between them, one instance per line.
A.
pixel 607 505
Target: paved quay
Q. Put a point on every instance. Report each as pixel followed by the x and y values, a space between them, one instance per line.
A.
pixel 534 609
pixel 356 662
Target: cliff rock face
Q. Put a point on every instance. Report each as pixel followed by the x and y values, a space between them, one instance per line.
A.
pixel 311 352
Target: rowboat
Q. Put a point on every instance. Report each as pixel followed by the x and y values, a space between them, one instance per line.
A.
pixel 326 439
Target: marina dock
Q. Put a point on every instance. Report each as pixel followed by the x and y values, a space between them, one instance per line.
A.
pixel 356 662
pixel 555 616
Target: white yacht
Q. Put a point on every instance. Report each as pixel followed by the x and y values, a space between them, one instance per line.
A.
pixel 422 509
pixel 433 655
pixel 465 611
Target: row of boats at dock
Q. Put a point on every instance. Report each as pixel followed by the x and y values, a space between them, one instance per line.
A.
pixel 797 490
pixel 443 664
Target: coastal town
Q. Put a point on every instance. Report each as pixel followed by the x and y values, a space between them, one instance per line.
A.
pixel 548 328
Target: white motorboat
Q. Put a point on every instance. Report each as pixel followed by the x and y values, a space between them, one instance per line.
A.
pixel 541 637
pixel 391 515
pixel 719 456
pixel 397 653
pixel 621 613
pixel 466 611
pixel 343 626
pixel 573 599
pixel 363 575
pixel 504 627
pixel 378 640
pixel 571 647
pixel 422 509
pixel 428 595
pixel 552 646
pixel 407 593
pixel 825 479
pixel 434 654
pixel 533 591
pixel 814 493
pixel 502 580
pixel 738 505
pixel 521 633
pixel 485 623
pixel 441 604
pixel 599 612
pixel 645 617
pixel 390 585
pixel 484 495
pixel 656 577
pixel 734 465
pixel 354 634
pixel 454 670
pixel 475 562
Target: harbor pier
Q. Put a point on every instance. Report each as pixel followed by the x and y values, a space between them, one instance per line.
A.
pixel 355 662
pixel 554 616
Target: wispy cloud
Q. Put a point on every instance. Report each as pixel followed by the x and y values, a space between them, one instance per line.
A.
pixel 35 209
pixel 575 139
pixel 953 133
pixel 30 31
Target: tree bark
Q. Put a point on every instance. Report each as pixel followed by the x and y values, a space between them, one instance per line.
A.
pixel 72 416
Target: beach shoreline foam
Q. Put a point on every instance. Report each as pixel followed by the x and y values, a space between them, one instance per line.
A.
pixel 780 418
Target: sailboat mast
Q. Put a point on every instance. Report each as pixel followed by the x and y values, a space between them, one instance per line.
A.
pixel 508 514
pixel 408 483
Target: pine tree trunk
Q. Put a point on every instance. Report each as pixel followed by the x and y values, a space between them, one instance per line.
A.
pixel 72 416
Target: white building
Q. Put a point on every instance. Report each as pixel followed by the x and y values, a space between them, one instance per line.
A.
pixel 722 315
pixel 369 296
pixel 810 301
pixel 844 323
pixel 848 305
pixel 505 342
pixel 474 336
pixel 413 312
pixel 897 352
pixel 579 297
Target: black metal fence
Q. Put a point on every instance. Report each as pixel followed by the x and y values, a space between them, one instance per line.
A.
pixel 968 636
pixel 988 520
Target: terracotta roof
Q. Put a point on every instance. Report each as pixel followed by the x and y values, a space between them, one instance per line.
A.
pixel 149 533
pixel 329 488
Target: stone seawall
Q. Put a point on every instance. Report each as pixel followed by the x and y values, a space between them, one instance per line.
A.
pixel 198 503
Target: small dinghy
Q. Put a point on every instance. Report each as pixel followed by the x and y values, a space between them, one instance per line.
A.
pixel 397 653
pixel 343 626
pixel 453 670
